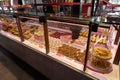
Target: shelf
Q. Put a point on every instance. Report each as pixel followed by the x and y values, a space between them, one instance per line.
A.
pixel 62 19
pixel 59 4
pixel 113 5
pixel 35 53
pixel 77 21
pixel 50 65
pixel 63 30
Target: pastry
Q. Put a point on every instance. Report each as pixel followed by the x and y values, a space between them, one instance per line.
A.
pixel 102 52
pixel 100 64
pixel 70 52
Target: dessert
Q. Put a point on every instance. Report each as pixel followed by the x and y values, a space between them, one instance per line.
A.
pixel 100 64
pixel 70 52
pixel 14 30
pixel 84 34
pixel 95 38
pixel 32 30
pixel 58 34
pixel 27 35
pixel 38 35
pixel 82 58
pixel 54 44
pixel 102 53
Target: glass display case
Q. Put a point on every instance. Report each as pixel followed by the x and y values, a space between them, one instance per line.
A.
pixel 66 47
pixel 33 33
pixel 67 43
pixel 84 44
pixel 9 26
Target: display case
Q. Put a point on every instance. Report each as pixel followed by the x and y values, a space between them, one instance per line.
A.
pixel 67 43
pixel 34 33
pixel 83 47
pixel 101 52
pixel 9 26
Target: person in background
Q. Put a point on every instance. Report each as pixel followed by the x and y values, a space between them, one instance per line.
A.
pixel 48 9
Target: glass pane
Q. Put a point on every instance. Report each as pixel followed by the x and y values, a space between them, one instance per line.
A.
pixel 33 33
pixel 9 27
pixel 102 53
pixel 68 42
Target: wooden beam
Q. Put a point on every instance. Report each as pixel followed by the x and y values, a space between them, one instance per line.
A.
pixel 19 28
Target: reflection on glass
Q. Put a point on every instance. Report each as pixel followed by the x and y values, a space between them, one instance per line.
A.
pixel 33 32
pixel 64 41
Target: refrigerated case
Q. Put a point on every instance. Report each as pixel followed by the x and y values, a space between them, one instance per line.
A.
pixel 102 49
pixel 33 51
pixel 57 47
pixel 67 44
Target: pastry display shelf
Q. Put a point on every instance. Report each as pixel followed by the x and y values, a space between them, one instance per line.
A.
pixel 48 65
pixel 36 19
pixel 26 42
pixel 81 21
pixel 63 30
pixel 59 4
pixel 53 65
pixel 67 61
pixel 37 48
pixel 82 25
pixel 31 46
pixel 49 27
pixel 98 75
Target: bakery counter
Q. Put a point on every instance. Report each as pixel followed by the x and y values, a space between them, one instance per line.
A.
pixel 63 52
pixel 35 56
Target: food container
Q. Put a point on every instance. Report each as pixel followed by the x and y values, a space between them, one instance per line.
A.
pixel 100 57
